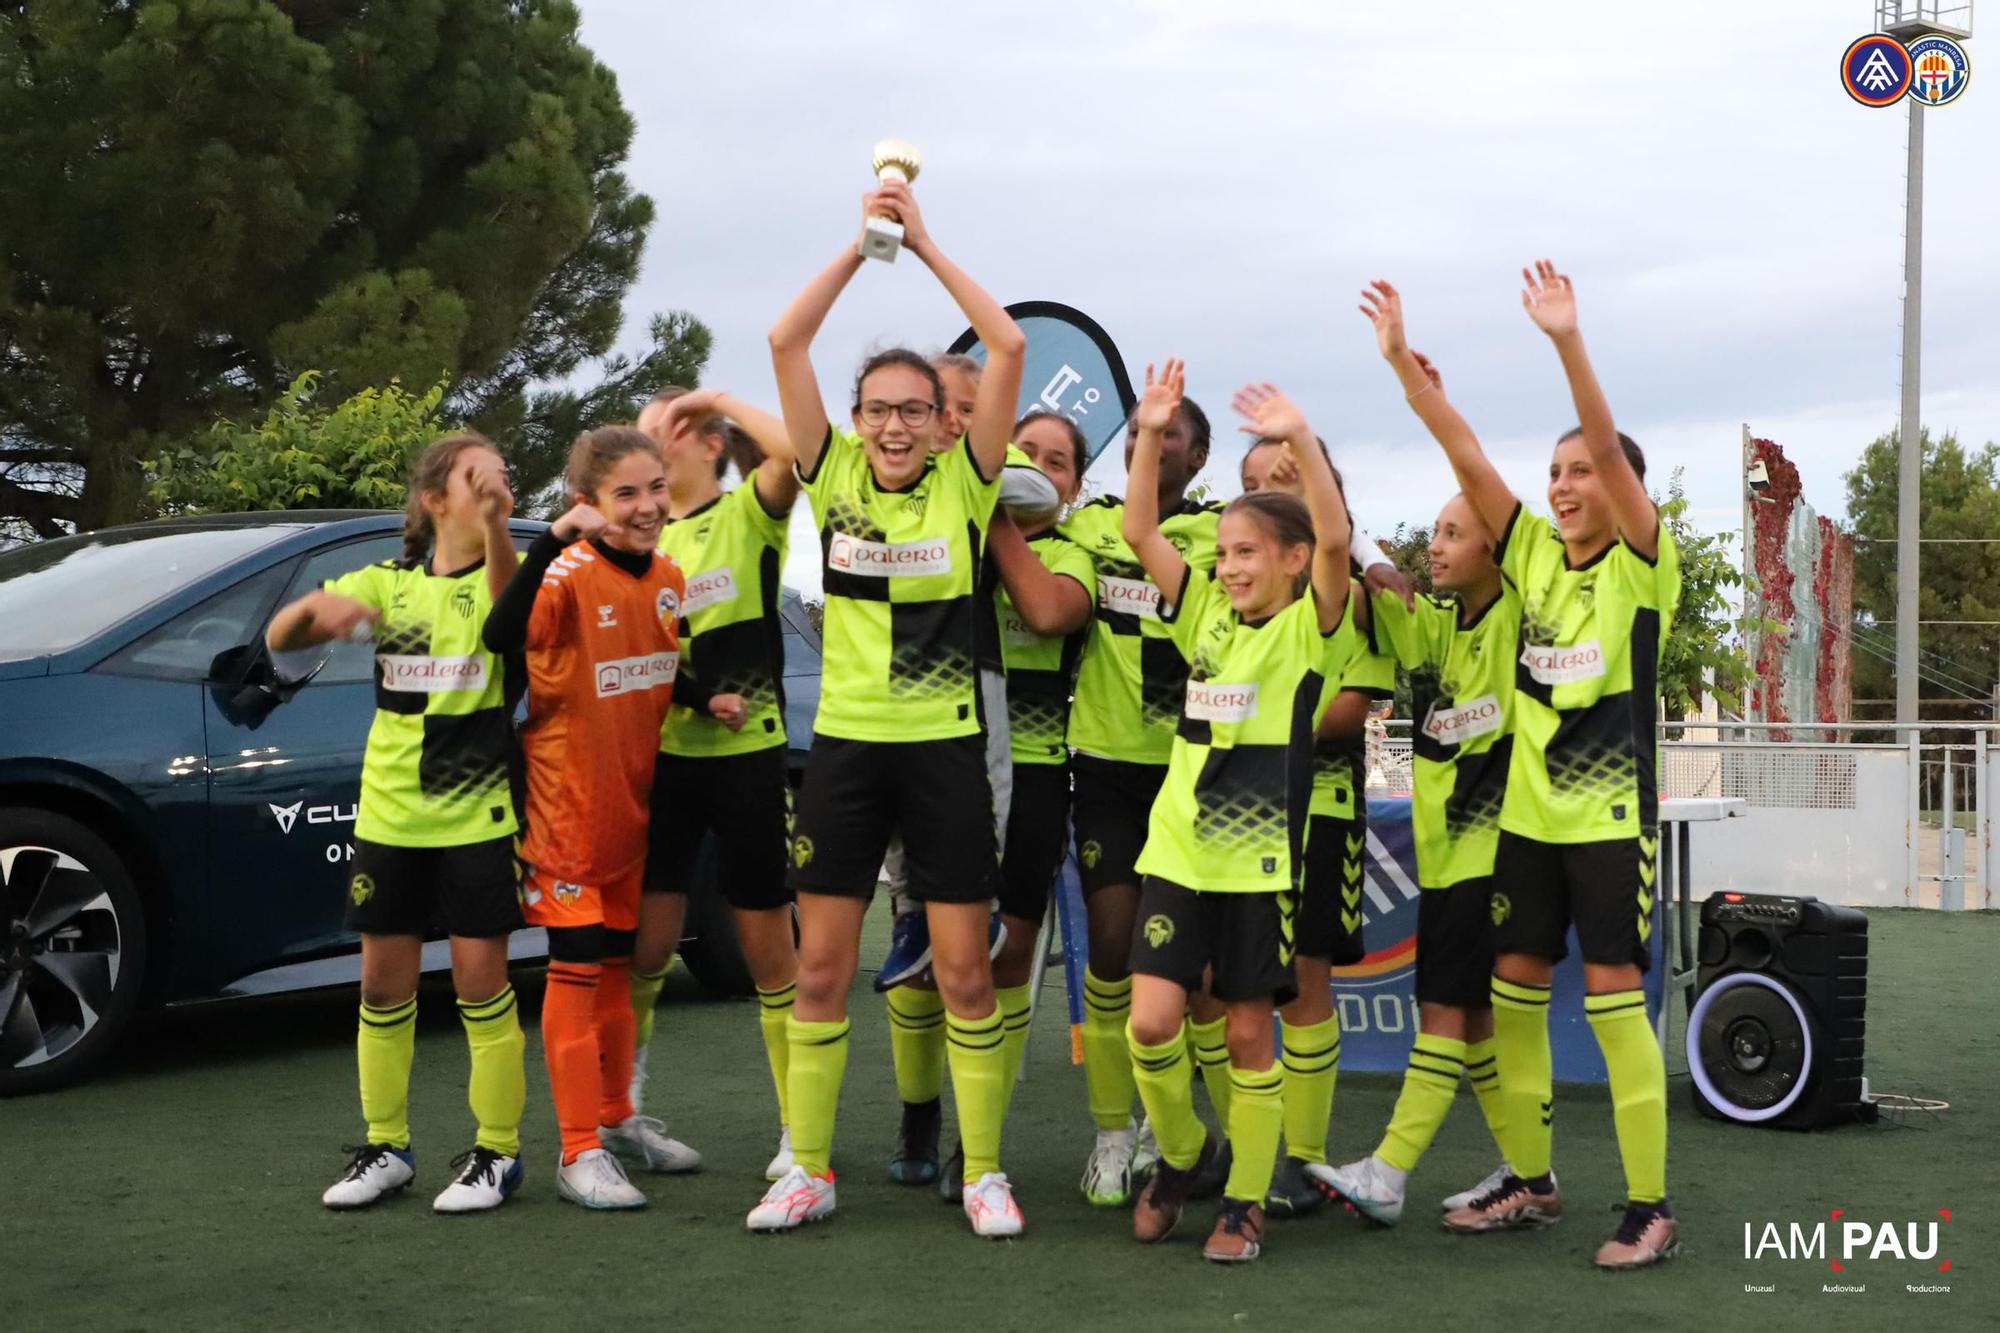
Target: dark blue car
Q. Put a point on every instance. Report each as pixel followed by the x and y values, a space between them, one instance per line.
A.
pixel 175 827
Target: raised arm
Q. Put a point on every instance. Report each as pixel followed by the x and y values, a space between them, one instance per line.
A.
pixel 993 409
pixel 1050 603
pixel 1424 391
pixel 488 478
pixel 1269 414
pixel 1140 524
pixel 1547 297
pixel 775 477
pixel 791 355
pixel 316 618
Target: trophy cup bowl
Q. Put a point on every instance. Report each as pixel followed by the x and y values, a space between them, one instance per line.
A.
pixel 894 160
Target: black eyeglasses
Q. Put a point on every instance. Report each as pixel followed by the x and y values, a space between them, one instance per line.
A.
pixel 915 412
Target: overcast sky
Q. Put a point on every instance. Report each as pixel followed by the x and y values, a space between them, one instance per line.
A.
pixel 1216 181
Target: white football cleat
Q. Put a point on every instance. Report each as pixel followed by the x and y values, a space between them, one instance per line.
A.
pixel 1463 1199
pixel 1145 1152
pixel 794 1200
pixel 596 1180
pixel 1371 1185
pixel 643 1138
pixel 1107 1176
pixel 781 1165
pixel 485 1180
pixel 374 1170
pixel 990 1207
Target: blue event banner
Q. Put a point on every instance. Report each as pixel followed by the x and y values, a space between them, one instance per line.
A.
pixel 1072 368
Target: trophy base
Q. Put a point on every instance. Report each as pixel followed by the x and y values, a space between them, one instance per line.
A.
pixel 881 238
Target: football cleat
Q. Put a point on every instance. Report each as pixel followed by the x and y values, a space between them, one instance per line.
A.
pixel 1512 1205
pixel 1370 1186
pixel 643 1138
pixel 485 1180
pixel 1646 1236
pixel 990 1207
pixel 375 1169
pixel 1107 1175
pixel 595 1180
pixel 797 1198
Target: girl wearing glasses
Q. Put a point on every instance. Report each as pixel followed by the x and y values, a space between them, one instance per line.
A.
pixel 897 745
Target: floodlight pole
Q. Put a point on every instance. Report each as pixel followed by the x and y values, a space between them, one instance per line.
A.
pixel 1909 478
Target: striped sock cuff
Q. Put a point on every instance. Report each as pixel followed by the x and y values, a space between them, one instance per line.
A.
pixel 1211 1042
pixel 1439 1059
pixel 395 1016
pixel 574 974
pixel 916 1010
pixel 1153 1059
pixel 1313 1048
pixel 1254 1082
pixel 781 998
pixel 1013 1001
pixel 485 1011
pixel 1513 995
pixel 1106 997
pixel 974 1034
pixel 803 1032
pixel 1481 1065
pixel 650 977
pixel 1613 1002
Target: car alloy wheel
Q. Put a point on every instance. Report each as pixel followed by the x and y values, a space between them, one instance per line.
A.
pixel 61 949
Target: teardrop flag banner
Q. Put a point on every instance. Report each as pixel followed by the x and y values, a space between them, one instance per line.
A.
pixel 1073 368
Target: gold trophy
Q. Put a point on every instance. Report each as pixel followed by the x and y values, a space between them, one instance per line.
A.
pixel 881 237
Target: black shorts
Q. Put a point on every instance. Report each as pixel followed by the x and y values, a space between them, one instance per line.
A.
pixel 472 890
pixel 933 793
pixel 1037 837
pixel 1330 897
pixel 1455 945
pixel 1606 888
pixel 740 799
pixel 1114 800
pixel 1242 940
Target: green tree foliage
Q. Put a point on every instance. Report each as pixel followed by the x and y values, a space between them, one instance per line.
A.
pixel 204 198
pixel 1959 580
pixel 354 455
pixel 1704 647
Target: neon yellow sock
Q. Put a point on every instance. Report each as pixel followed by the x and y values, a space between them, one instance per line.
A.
pixel 645 1003
pixel 1256 1114
pixel 1527 1085
pixel 1166 1088
pixel 384 1047
pixel 813 1074
pixel 1211 1056
pixel 1484 1071
pixel 1107 1061
pixel 1311 1062
pixel 774 1008
pixel 978 1084
pixel 1429 1085
pixel 1013 1002
pixel 1638 1077
pixel 498 1088
pixel 916 1043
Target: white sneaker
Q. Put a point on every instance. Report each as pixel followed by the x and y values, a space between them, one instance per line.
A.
pixel 640 1073
pixel 1373 1186
pixel 781 1165
pixel 1107 1176
pixel 1464 1198
pixel 485 1180
pixel 375 1169
pixel 990 1207
pixel 596 1180
pixel 1145 1152
pixel 796 1199
pixel 644 1139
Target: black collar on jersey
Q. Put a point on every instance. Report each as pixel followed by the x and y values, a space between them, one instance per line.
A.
pixel 1464 623
pixel 701 508
pixel 635 563
pixel 1587 563
pixel 453 574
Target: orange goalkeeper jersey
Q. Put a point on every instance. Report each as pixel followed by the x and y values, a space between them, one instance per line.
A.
pixel 603 651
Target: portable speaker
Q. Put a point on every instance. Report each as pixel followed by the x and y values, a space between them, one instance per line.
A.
pixel 1776 1034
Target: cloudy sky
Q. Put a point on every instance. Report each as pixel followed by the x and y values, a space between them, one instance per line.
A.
pixel 1216 181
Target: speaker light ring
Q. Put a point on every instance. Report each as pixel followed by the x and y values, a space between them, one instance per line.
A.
pixel 1700 1074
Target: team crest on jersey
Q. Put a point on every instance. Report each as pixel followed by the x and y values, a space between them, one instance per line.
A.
pixel 1090 854
pixel 1106 542
pixel 1159 930
pixel 916 503
pixel 360 889
pixel 1502 908
pixel 802 852
pixel 668 603
pixel 461 600
pixel 566 892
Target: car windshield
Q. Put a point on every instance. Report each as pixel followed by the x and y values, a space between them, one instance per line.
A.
pixel 56 594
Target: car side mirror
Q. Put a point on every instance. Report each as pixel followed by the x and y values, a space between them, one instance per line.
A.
pixel 247 686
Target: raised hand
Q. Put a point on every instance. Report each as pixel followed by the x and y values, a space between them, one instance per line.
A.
pixel 900 202
pixel 581 524
pixel 1424 363
pixel 729 710
pixel 1269 415
pixel 1389 579
pixel 1383 305
pixel 486 477
pixel 1546 296
pixel 340 617
pixel 689 409
pixel 1161 398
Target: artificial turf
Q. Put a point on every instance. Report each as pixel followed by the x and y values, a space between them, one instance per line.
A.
pixel 181 1188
